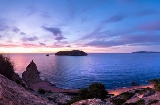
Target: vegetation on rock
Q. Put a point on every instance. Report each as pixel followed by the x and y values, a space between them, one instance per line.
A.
pixel 41 91
pixel 140 102
pixel 7 70
pixel 156 83
pixel 71 53
pixel 6 67
pixel 95 90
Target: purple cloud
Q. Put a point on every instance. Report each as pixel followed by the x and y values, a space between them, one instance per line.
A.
pixel 68 46
pixel 22 33
pixel 30 45
pixel 3 27
pixel 9 45
pixel 116 18
pixel 15 29
pixel 150 26
pixel 30 38
pixel 42 44
pixel 147 12
pixel 126 40
pixel 56 32
pixel 59 38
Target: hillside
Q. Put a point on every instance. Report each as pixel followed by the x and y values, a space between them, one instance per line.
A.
pixel 14 94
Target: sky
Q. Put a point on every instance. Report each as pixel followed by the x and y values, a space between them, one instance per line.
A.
pixel 94 26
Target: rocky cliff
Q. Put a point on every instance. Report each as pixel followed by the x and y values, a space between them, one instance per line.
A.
pixel 13 94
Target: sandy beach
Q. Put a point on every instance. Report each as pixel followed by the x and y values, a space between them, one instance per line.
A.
pixel 47 86
pixel 121 90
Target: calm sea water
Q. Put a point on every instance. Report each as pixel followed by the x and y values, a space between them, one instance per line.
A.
pixel 113 70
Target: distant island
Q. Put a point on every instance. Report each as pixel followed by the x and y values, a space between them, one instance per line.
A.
pixel 71 53
pixel 145 52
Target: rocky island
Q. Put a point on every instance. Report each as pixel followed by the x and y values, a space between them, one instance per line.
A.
pixel 71 53
pixel 146 52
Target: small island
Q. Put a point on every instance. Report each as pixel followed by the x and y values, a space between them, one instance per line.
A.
pixel 145 52
pixel 71 53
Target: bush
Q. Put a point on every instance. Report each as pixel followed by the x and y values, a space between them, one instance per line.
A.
pixel 140 91
pixel 140 102
pixel 154 81
pixel 126 95
pixel 97 90
pixel 84 93
pixel 153 102
pixel 6 67
pixel 42 91
pixel 157 87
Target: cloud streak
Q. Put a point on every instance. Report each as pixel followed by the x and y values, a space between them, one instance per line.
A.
pixel 126 40
pixel 33 38
pixel 56 32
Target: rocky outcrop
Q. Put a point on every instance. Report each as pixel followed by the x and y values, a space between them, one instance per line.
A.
pixel 31 75
pixel 90 102
pixel 14 94
pixel 71 53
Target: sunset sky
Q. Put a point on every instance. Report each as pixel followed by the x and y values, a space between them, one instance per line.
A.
pixel 104 26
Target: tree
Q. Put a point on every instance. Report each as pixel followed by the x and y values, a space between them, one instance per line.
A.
pixel 6 67
pixel 84 93
pixel 97 90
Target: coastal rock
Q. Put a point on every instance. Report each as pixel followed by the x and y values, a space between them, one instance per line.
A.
pixel 90 102
pixel 14 94
pixel 71 53
pixel 31 75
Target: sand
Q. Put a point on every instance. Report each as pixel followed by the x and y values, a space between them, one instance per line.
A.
pixel 121 90
pixel 47 86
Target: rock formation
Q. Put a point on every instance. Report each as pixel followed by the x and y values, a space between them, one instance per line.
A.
pixel 14 94
pixel 71 53
pixel 31 75
pixel 90 102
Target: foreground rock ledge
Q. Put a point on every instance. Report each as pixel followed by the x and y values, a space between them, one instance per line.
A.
pixel 14 94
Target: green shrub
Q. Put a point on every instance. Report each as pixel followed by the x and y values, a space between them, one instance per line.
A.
pixel 41 90
pixel 6 67
pixel 118 101
pixel 157 87
pixel 140 102
pixel 153 102
pixel 97 90
pixel 154 81
pixel 126 95
pixel 140 91
pixel 84 93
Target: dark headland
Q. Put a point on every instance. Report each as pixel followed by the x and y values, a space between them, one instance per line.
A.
pixel 71 53
pixel 146 52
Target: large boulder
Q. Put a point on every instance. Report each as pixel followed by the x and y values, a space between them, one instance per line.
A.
pixel 31 75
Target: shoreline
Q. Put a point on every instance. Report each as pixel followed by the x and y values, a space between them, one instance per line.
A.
pixel 45 85
pixel 125 89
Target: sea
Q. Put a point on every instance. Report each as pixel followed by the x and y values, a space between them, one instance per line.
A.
pixel 114 70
